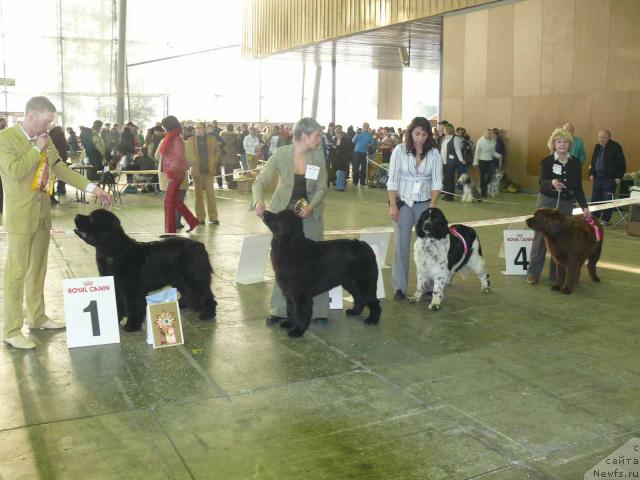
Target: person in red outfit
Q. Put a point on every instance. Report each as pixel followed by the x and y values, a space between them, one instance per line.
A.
pixel 174 168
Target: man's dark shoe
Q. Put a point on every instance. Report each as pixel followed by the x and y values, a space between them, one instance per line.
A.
pixel 399 295
pixel 274 319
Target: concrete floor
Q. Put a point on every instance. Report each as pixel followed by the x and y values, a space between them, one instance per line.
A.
pixel 521 383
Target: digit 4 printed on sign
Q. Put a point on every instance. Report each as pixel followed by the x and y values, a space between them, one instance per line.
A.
pixel 90 311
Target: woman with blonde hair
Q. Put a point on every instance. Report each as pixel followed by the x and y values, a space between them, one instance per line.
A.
pixel 561 188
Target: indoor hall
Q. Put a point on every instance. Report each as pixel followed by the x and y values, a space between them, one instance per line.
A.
pixel 523 382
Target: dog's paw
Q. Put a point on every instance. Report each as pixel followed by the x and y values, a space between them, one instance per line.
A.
pixel 132 327
pixel 286 324
pixel 556 288
pixel 371 321
pixel 434 306
pixel 351 312
pixel 596 279
pixel 566 290
pixel 486 289
pixel 294 332
pixel 415 298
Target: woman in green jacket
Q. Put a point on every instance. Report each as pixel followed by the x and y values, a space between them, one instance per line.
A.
pixel 302 184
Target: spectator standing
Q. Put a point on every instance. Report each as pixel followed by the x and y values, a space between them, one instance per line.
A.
pixel 362 142
pixel 500 149
pixel 608 166
pixel 577 151
pixel 244 132
pixel 174 166
pixel 251 145
pixel 484 157
pixel 203 153
pixel 450 161
pixel 230 154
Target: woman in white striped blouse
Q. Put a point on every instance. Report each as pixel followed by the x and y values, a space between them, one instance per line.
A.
pixel 415 181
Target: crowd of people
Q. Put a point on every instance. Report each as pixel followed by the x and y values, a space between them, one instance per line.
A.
pixel 305 160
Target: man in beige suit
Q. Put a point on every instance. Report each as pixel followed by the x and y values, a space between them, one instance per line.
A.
pixel 25 151
pixel 203 154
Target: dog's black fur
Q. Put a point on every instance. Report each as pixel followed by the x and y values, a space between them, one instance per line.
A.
pixel 141 267
pixel 305 268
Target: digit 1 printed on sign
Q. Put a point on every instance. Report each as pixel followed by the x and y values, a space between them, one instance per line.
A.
pixel 92 308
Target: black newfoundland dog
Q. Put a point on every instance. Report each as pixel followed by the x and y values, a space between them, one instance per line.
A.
pixel 305 268
pixel 139 268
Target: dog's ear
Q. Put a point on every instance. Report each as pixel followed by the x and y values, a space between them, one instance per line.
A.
pixel 440 224
pixel 419 224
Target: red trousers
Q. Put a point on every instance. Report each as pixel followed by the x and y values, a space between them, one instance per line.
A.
pixel 173 202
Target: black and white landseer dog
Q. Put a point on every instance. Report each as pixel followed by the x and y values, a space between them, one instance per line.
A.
pixel 440 251
pixel 305 268
pixel 141 267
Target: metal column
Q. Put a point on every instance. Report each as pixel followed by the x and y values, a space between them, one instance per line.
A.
pixel 122 64
pixel 316 91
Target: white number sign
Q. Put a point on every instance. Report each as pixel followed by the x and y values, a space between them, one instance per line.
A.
pixel 90 311
pixel 517 251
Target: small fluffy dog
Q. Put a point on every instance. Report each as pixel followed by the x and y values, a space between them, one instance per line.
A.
pixel 469 188
pixel 305 268
pixel 440 251
pixel 141 267
pixel 571 241
pixel 494 185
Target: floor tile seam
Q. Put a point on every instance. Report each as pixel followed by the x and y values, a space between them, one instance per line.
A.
pixel 543 456
pixel 213 385
pixel 171 442
pixel 72 419
pixel 537 388
pixel 479 422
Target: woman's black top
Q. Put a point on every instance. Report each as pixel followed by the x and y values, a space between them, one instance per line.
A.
pixel 299 188
pixel 570 174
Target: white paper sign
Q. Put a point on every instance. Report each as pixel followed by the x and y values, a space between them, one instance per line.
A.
pixel 381 241
pixel 253 259
pixel 557 169
pixel 312 172
pixel 517 251
pixel 335 298
pixel 90 311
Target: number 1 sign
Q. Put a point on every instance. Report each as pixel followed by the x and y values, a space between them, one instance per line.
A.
pixel 517 251
pixel 90 311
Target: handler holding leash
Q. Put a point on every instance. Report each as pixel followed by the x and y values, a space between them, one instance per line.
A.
pixel 561 188
pixel 28 164
pixel 302 184
pixel 415 181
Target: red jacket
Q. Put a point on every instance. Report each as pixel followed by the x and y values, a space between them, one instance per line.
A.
pixel 174 160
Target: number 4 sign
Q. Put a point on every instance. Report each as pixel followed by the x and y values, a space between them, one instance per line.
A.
pixel 90 311
pixel 517 251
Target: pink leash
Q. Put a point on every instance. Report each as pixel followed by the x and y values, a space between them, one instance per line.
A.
pixel 597 231
pixel 453 231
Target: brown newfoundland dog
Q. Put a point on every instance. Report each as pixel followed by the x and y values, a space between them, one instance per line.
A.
pixel 571 241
